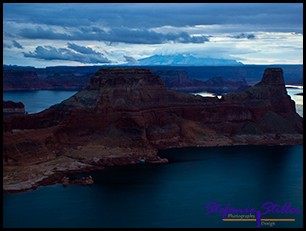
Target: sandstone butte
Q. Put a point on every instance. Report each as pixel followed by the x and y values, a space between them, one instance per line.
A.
pixel 125 115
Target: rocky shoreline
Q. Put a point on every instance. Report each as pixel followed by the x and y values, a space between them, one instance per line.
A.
pixel 55 170
pixel 17 179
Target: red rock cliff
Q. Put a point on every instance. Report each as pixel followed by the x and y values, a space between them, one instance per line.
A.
pixel 124 109
pixel 136 103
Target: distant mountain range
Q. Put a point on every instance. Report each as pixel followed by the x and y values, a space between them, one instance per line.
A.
pixel 183 60
pixel 194 77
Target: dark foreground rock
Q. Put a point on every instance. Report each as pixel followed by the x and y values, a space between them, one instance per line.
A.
pixel 125 115
pixel 10 108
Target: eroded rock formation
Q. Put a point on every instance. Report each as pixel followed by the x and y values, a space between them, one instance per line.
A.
pixel 127 114
pixel 10 107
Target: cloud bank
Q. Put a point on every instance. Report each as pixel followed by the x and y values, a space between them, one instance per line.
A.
pixel 75 53
pixel 13 44
pixel 281 16
pixel 114 35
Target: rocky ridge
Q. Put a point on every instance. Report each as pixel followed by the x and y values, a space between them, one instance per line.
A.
pixel 126 114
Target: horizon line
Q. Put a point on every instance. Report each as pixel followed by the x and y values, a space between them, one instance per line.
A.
pixel 129 65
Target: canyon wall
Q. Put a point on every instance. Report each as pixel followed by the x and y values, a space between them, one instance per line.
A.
pixel 129 113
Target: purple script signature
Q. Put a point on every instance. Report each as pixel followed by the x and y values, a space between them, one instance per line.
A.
pixel 266 208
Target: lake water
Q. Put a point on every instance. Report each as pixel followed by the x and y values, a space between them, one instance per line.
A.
pixel 36 101
pixel 169 195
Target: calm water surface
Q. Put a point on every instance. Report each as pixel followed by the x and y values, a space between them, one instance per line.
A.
pixel 170 195
pixel 36 101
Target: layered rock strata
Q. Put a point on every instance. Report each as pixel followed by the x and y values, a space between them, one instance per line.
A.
pixel 126 114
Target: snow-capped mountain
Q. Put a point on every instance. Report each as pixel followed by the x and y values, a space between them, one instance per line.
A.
pixel 184 60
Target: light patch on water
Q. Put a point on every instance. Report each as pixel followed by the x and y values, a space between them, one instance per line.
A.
pixel 205 94
pixel 294 86
pixel 298 99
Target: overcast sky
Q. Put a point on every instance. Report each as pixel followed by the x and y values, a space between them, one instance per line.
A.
pixel 41 34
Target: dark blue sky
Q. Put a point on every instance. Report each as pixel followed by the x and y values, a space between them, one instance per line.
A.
pixel 41 34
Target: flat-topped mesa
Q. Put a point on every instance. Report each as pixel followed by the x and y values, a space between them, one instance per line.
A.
pixel 125 77
pixel 127 88
pixel 269 94
pixel 273 76
pixel 273 82
pixel 271 87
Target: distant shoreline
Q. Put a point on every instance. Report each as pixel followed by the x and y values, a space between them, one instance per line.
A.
pixel 78 89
